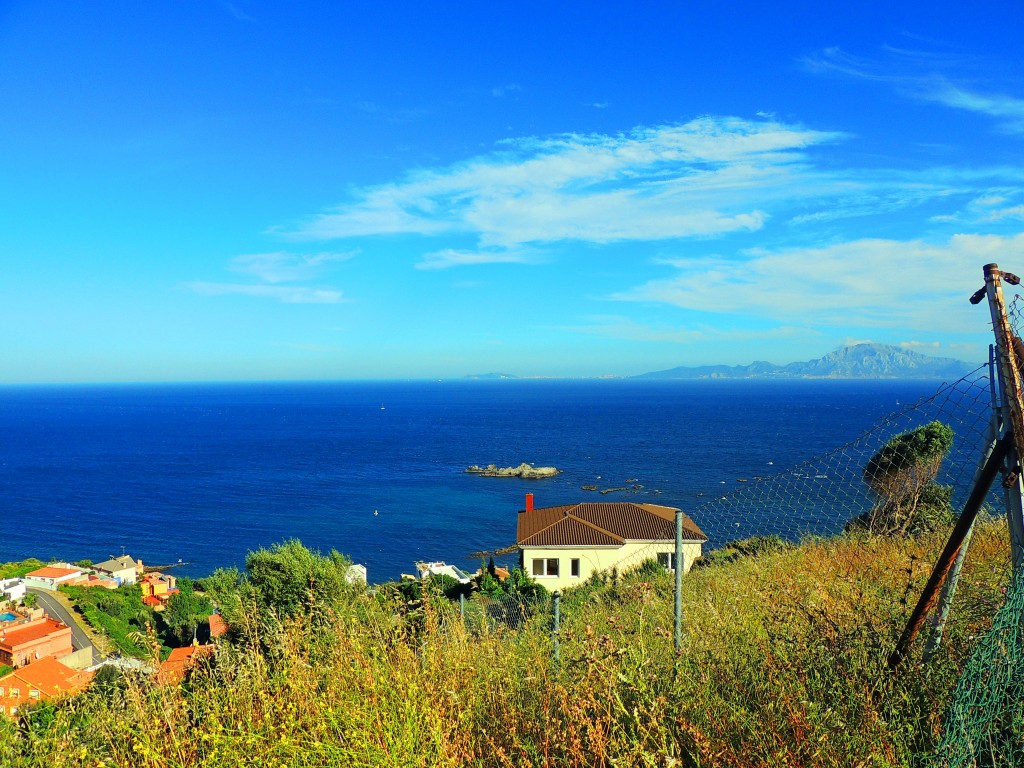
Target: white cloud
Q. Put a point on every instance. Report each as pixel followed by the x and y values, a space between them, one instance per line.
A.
pixel 871 282
pixel 449 257
pixel 282 267
pixel 1008 110
pixel 917 75
pixel 287 294
pixel 503 90
pixel 708 177
pixel 628 329
pixel 912 345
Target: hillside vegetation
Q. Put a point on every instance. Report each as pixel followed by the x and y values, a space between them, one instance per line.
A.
pixel 783 664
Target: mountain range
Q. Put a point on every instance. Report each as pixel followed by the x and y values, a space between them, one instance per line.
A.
pixel 857 361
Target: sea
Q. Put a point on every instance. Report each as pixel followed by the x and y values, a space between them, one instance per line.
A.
pixel 199 475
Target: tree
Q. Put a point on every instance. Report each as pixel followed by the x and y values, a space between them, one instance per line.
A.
pixel 289 579
pixel 902 477
pixel 186 610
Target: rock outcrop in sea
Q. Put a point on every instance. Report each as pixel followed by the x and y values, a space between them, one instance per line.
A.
pixel 526 471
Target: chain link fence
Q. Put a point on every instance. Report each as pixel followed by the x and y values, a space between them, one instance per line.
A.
pixel 910 472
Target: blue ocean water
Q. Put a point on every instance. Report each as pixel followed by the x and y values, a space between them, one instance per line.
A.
pixel 207 473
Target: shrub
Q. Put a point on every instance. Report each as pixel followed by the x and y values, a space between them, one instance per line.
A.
pixel 902 477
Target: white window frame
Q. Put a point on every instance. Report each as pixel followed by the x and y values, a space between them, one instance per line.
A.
pixel 667 561
pixel 545 567
pixel 574 568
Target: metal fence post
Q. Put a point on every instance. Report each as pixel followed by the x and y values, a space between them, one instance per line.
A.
pixel 557 599
pixel 679 580
pixel 462 605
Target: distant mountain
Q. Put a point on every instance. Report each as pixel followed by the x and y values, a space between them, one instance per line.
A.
pixel 491 376
pixel 859 361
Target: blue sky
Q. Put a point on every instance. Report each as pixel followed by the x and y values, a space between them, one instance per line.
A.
pixel 248 191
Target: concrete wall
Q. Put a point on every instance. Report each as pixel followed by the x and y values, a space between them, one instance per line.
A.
pixel 81 659
pixel 596 559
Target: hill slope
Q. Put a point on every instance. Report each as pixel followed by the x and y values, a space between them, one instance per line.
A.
pixel 859 361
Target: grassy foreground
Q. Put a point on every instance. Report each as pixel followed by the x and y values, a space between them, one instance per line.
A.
pixel 783 665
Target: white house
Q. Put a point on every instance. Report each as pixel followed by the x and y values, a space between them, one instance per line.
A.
pixel 562 546
pixel 52 576
pixel 439 568
pixel 13 589
pixel 124 569
pixel 356 574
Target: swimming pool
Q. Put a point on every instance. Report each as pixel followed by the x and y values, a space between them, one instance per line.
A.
pixel 8 616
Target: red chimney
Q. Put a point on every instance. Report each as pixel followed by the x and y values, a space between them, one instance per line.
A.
pixel 529 502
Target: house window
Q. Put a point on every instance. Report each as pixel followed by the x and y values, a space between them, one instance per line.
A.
pixel 34 693
pixel 1 690
pixel 574 567
pixel 545 566
pixel 15 693
pixel 668 560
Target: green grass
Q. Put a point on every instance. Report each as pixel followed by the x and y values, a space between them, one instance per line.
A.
pixel 783 664
pixel 118 614
pixel 18 569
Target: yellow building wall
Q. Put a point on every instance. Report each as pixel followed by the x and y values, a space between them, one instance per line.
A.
pixel 596 559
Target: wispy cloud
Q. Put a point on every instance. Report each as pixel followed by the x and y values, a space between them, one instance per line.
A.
pixel 237 12
pixel 274 270
pixel 704 178
pixel 915 345
pixel 287 294
pixel 629 329
pixel 920 76
pixel 503 90
pixel 1008 110
pixel 283 267
pixel 447 258
pixel 867 283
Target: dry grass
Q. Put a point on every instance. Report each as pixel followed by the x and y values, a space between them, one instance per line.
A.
pixel 783 665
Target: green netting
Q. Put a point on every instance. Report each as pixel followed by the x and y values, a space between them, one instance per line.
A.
pixel 985 723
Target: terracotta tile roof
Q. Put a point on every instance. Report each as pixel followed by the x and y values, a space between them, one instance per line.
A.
pixel 570 530
pixel 51 572
pixel 180 661
pixel 48 676
pixel 601 524
pixel 218 626
pixel 18 636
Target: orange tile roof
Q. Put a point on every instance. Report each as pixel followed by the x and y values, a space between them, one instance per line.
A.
pixel 52 572
pixel 601 524
pixel 48 676
pixel 218 626
pixel 29 633
pixel 180 661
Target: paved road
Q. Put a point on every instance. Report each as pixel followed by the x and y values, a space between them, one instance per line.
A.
pixel 54 609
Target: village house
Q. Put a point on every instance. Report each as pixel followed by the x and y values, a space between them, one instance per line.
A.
pixel 180 662
pixel 122 569
pixel 13 589
pixel 50 577
pixel 98 580
pixel 22 644
pixel 218 627
pixel 42 680
pixel 563 546
pixel 157 589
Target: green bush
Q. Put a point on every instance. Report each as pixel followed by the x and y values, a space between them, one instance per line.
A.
pixel 902 477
